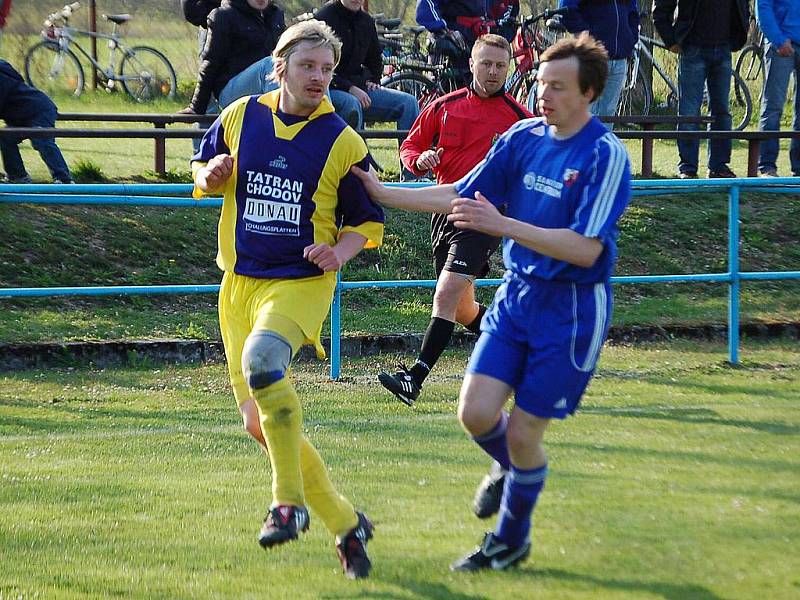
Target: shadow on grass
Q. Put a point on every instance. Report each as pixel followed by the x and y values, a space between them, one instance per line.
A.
pixel 416 589
pixel 669 591
pixel 703 416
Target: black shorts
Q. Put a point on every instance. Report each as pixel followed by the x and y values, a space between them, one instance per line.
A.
pixel 462 251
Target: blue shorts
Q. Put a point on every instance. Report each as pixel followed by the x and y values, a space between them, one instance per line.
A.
pixel 543 339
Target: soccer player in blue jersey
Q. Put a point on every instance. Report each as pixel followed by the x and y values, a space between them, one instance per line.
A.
pixel 564 181
pixel 293 214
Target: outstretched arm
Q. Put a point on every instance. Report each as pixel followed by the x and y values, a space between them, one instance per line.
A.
pixel 561 244
pixel 434 199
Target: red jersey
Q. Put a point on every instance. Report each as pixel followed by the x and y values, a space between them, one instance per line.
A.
pixel 465 126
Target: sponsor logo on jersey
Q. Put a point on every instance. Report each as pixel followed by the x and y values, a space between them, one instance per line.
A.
pixel 279 163
pixel 273 204
pixel 540 183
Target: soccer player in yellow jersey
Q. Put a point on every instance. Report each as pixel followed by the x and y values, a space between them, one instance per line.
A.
pixel 292 216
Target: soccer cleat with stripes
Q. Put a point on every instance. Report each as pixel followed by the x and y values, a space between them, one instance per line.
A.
pixel 402 385
pixel 352 549
pixel 282 524
pixel 492 554
pixel 490 492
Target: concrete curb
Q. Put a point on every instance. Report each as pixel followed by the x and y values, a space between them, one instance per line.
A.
pixel 18 357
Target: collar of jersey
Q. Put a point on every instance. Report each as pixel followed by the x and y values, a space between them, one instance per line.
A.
pixel 271 100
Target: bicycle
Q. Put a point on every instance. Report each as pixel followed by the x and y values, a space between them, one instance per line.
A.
pixel 751 64
pixel 637 97
pixel 51 65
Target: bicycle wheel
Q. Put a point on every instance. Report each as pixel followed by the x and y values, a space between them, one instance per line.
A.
pixel 741 103
pixel 636 97
pixel 423 89
pixel 750 67
pixel 55 71
pixel 147 75
pixel 524 91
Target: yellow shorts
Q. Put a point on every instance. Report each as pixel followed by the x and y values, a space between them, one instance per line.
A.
pixel 292 308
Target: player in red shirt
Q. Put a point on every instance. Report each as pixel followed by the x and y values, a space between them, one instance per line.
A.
pixel 449 138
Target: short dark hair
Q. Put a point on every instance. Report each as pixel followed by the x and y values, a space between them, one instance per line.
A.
pixel 592 60
pixel 494 40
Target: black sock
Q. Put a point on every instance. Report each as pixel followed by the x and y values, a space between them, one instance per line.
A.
pixel 475 325
pixel 437 336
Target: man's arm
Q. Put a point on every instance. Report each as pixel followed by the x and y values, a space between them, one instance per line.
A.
pixel 209 178
pixel 420 140
pixel 435 199
pixel 333 258
pixel 573 20
pixel 430 16
pixel 214 54
pixel 561 244
pixel 663 12
pixel 765 14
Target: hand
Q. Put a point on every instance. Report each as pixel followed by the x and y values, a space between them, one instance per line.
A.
pixel 323 256
pixel 370 180
pixel 786 49
pixel 363 98
pixel 215 173
pixel 458 39
pixel 429 159
pixel 186 111
pixel 676 48
pixel 478 215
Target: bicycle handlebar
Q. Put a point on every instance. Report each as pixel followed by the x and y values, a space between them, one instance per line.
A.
pixel 65 13
pixel 548 14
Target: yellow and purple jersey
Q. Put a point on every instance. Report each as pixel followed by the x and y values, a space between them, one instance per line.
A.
pixel 291 186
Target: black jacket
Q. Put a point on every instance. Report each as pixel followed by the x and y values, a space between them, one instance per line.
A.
pixel 197 11
pixel 19 102
pixel 361 52
pixel 238 36
pixel 673 28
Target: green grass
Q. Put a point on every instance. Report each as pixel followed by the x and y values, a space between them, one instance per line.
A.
pixel 678 479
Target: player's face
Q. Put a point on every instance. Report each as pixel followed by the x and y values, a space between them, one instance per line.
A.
pixel 308 73
pixel 354 5
pixel 489 66
pixel 258 4
pixel 559 97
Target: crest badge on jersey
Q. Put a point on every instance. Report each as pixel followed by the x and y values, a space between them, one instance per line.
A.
pixel 570 176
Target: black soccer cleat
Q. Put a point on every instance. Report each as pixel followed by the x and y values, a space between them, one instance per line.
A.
pixel 492 554
pixel 352 549
pixel 282 524
pixel 490 492
pixel 402 385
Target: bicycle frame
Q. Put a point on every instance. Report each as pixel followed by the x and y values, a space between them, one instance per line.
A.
pixel 642 48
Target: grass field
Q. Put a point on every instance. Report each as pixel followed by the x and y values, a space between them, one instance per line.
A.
pixel 678 480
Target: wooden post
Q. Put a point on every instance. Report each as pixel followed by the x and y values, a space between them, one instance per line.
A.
pixel 647 151
pixel 93 29
pixel 160 163
pixel 753 150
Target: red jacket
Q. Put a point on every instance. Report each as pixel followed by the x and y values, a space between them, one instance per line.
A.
pixel 5 8
pixel 465 126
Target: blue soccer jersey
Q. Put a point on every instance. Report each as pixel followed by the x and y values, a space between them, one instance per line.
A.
pixel 581 183
pixel 291 186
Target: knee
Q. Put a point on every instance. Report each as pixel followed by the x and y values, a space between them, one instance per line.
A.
pixel 265 358
pixel 474 419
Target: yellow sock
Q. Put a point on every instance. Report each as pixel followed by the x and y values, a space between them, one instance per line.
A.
pixel 281 423
pixel 336 512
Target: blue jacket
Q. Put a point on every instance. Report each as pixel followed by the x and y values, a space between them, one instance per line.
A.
pixel 615 23
pixel 435 15
pixel 19 102
pixel 779 20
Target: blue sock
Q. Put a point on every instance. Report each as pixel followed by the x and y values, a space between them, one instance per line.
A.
pixel 494 442
pixel 519 499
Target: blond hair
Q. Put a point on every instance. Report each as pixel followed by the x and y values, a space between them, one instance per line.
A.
pixel 494 40
pixel 316 33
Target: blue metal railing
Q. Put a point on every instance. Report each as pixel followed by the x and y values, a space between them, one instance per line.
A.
pixel 165 195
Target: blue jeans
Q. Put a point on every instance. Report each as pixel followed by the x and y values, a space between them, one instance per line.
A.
pixel 46 147
pixel 253 80
pixel 606 104
pixel 700 67
pixel 387 105
pixel 776 82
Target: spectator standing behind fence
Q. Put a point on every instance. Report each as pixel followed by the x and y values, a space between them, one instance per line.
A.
pixel 616 24
pixel 780 22
pixel 356 92
pixel 196 12
pixel 24 106
pixel 450 137
pixel 703 34
pixel 236 59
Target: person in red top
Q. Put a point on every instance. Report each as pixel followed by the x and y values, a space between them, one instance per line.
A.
pixel 449 138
